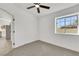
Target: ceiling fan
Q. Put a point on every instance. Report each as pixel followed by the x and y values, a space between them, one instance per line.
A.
pixel 38 5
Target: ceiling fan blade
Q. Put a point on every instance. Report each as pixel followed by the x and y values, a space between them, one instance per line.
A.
pixel 30 7
pixel 38 10
pixel 46 7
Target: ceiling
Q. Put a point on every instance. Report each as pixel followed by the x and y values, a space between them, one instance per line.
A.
pixel 53 7
pixel 5 17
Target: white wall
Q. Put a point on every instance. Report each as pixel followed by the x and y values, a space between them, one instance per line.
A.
pixel 25 25
pixel 25 28
pixel 47 28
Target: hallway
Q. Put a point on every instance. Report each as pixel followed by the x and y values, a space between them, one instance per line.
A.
pixel 5 46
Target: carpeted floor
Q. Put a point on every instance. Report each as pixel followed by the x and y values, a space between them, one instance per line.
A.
pixel 39 48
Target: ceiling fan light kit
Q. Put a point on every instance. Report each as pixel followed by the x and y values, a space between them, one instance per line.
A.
pixel 38 5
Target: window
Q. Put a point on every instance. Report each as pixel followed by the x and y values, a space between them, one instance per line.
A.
pixel 67 24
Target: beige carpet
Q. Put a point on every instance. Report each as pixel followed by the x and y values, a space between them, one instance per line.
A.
pixel 40 48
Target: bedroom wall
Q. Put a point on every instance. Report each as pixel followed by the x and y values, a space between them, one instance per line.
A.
pixel 25 24
pixel 47 29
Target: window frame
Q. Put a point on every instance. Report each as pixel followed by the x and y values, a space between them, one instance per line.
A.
pixel 66 16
